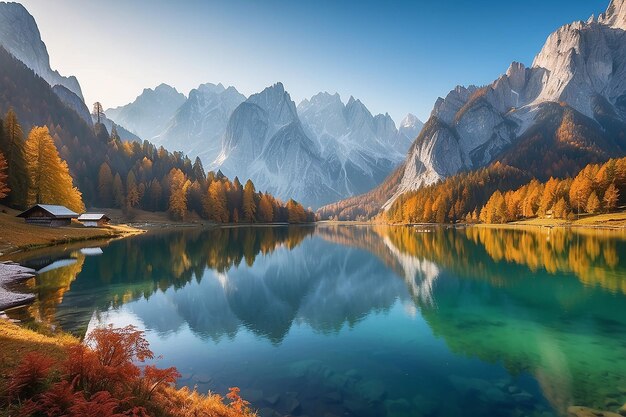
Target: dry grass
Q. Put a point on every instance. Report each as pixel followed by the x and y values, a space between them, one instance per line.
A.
pixel 609 220
pixel 16 342
pixel 120 378
pixel 16 235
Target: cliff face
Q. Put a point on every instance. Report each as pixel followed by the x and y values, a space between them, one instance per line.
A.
pixel 582 66
pixel 20 36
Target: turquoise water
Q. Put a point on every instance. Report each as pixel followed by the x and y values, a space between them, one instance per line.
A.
pixel 363 321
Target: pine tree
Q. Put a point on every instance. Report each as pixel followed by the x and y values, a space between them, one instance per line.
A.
pixel 13 147
pixel 132 193
pixel 49 177
pixel 105 185
pixel 266 211
pixel 179 185
pixel 560 210
pixel 155 193
pixel 198 171
pixel 248 203
pixel 593 203
pixel 611 197
pixel 97 111
pixel 118 191
pixel 114 135
pixel 295 212
pixel 219 208
pixel 4 188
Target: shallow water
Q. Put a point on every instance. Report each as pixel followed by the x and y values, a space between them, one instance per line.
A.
pixel 364 320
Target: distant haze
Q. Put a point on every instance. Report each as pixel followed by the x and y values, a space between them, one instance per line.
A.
pixel 396 58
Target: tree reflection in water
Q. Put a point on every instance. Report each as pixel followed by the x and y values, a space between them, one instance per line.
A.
pixel 548 302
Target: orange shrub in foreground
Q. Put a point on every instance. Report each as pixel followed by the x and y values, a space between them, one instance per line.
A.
pixel 106 376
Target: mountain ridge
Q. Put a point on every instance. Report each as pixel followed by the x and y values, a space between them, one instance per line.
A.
pixel 20 36
pixel 581 68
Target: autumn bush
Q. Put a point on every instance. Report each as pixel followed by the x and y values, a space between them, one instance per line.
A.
pixel 107 376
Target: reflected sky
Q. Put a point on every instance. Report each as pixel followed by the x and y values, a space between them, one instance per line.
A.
pixel 365 320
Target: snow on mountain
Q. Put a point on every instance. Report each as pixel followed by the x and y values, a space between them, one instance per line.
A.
pixel 200 122
pixel 150 113
pixel 318 152
pixel 582 64
pixel 20 36
pixel 410 127
pixel 265 141
pixel 359 149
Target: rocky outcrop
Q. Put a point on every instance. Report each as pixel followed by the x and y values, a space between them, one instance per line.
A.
pixel 74 102
pixel 582 65
pixel 265 141
pixel 20 36
pixel 9 274
pixel 199 124
pixel 410 127
pixel 319 152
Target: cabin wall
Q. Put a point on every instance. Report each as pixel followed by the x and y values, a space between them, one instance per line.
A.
pixel 48 221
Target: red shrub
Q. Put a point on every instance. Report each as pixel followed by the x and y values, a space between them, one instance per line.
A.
pixel 29 375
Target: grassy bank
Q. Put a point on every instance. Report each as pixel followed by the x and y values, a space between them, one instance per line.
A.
pixel 606 221
pixel 54 374
pixel 16 235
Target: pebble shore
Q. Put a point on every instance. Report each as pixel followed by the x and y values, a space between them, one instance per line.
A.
pixel 11 273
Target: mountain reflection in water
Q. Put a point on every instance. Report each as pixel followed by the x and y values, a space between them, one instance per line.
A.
pixel 497 321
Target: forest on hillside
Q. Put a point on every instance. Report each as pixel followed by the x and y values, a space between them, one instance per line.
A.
pixel 500 194
pixel 32 171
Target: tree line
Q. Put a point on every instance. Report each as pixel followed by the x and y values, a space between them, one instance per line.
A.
pixel 597 188
pixel 455 198
pixel 500 193
pixel 32 171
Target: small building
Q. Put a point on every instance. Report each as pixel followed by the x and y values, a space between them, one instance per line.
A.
pixel 94 219
pixel 48 215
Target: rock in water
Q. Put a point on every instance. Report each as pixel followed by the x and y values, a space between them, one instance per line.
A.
pixel 576 411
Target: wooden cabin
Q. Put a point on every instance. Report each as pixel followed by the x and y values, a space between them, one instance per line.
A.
pixel 48 215
pixel 94 219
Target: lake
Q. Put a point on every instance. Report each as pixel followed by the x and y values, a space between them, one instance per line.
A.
pixel 363 320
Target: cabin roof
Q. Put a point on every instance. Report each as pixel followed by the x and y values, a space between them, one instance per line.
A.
pixel 59 212
pixel 93 217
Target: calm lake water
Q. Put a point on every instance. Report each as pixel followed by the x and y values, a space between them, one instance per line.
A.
pixel 364 320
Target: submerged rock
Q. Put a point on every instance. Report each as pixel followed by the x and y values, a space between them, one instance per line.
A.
pixel 252 395
pixel 371 391
pixel 333 397
pixel 273 399
pixel 399 407
pixel 268 412
pixel 576 411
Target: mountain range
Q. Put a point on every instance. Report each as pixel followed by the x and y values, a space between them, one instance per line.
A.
pixel 566 110
pixel 316 152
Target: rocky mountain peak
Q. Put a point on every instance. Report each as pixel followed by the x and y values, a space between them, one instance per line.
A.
pixel 277 103
pixel 211 88
pixel 20 36
pixel 410 120
pixel 615 14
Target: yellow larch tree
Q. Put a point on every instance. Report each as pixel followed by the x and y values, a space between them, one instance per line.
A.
pixel 4 188
pixel 49 177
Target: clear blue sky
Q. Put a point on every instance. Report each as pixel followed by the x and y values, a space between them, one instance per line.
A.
pixel 397 57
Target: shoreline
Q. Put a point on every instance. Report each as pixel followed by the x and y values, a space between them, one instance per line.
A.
pixel 12 273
